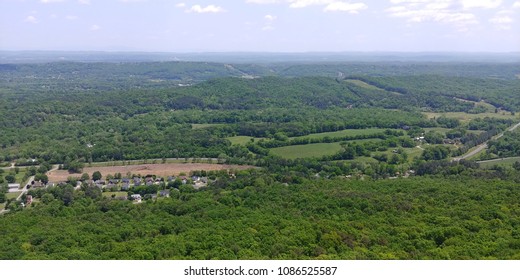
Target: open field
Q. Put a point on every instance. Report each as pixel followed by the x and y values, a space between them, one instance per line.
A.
pixel 369 86
pixel 12 195
pixel 241 140
pixel 437 129
pixel 204 125
pixel 499 162
pixel 109 194
pixel 341 133
pixel 307 151
pixel 145 169
pixel 465 117
pixel 359 159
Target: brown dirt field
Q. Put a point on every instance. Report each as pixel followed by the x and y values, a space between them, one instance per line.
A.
pixel 162 170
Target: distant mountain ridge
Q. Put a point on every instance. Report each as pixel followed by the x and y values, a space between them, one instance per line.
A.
pixel 254 57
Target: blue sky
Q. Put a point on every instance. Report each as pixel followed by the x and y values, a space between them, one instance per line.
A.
pixel 261 25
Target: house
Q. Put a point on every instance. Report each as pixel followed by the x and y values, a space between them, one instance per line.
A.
pixel 137 181
pixel 125 181
pixel 136 197
pixel 13 187
pixel 28 199
pixel 100 183
pixel 164 193
pixel 37 184
pixel 125 187
pixel 113 181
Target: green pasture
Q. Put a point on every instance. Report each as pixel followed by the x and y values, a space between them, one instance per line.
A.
pixel 307 151
pixel 342 133
pixel 500 162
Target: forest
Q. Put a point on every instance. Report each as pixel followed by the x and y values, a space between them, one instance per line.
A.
pixel 352 160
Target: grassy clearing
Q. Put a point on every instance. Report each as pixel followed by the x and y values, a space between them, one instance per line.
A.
pixel 341 133
pixel 465 117
pixel 204 125
pixel 359 159
pixel 362 84
pixel 242 140
pixel 2 206
pixel 12 195
pixel 109 194
pixel 437 129
pixel 307 151
pixel 499 162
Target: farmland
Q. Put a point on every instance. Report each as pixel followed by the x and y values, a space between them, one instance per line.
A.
pixel 146 169
pixel 307 151
pixel 499 162
pixel 346 132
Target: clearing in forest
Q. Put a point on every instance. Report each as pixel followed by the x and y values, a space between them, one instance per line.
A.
pixel 162 170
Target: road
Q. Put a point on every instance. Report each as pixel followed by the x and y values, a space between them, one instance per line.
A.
pixel 24 189
pixel 484 145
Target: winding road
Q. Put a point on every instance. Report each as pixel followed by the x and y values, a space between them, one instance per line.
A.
pixel 484 145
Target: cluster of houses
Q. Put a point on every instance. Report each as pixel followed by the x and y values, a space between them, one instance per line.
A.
pixel 125 184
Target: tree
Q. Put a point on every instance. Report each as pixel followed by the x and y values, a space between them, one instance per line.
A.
pixel 96 176
pixel 10 178
pixel 47 198
pixel 85 177
pixel 75 167
pixel 93 192
pixel 41 177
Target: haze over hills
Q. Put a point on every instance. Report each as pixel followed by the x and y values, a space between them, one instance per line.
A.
pixel 256 57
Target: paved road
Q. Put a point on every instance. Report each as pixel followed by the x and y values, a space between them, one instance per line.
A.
pixel 484 145
pixel 24 189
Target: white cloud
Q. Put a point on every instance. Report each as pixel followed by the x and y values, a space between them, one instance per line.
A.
pixel 31 19
pixel 306 3
pixel 442 11
pixel 50 1
pixel 502 20
pixel 269 21
pixel 208 9
pixel 180 5
pixel 71 17
pixel 84 2
pixel 330 5
pixel 352 8
pixel 484 4
pixel 95 27
pixel 263 1
pixel 516 4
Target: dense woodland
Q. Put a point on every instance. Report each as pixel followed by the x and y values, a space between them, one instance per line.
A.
pixel 384 185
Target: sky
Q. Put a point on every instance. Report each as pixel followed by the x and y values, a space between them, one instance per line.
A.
pixel 261 25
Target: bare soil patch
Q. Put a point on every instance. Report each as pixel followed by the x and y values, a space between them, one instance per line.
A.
pixel 162 170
